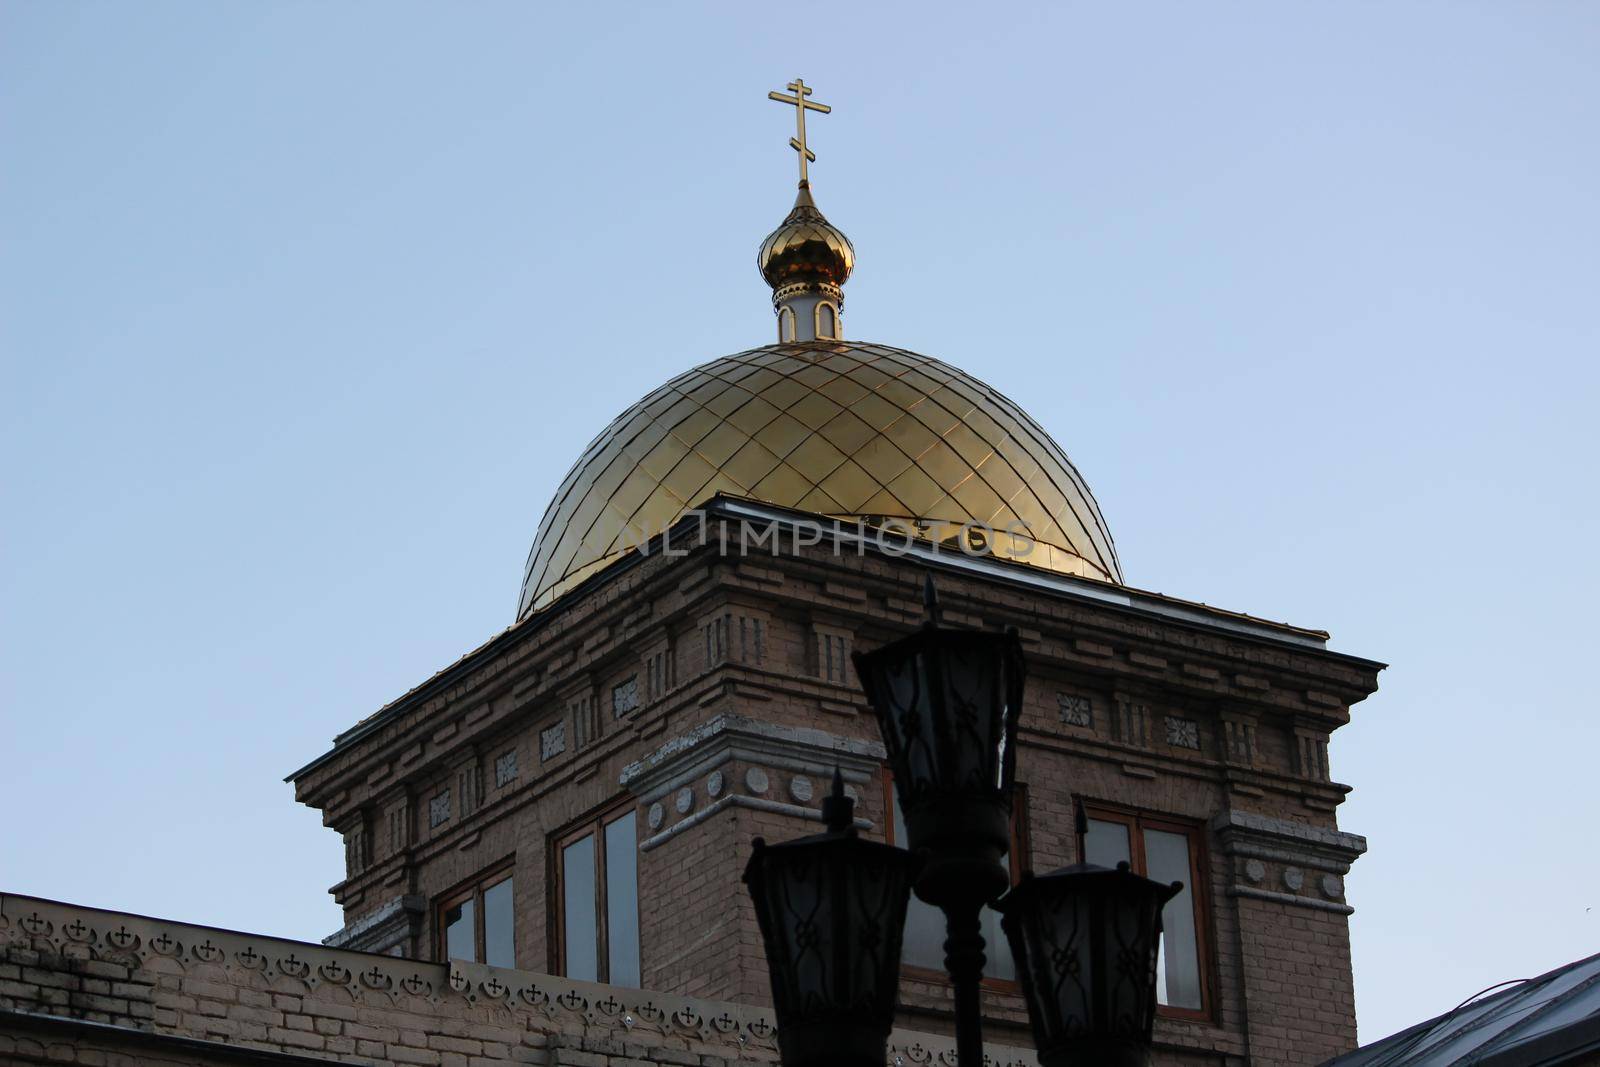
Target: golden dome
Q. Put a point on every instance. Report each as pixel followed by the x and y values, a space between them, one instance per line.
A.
pixel 840 429
pixel 806 249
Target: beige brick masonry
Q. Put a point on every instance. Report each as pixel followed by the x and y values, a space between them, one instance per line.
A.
pixel 96 987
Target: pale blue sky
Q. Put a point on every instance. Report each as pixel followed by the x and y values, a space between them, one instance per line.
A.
pixel 307 307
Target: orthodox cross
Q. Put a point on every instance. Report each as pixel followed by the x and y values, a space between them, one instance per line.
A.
pixel 801 105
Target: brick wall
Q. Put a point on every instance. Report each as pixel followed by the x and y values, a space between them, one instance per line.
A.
pixel 1194 715
pixel 87 986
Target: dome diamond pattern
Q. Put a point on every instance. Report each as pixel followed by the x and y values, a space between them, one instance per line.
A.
pixel 840 429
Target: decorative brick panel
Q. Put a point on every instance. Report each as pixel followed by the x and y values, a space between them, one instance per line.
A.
pixel 1239 740
pixel 1075 710
pixel 660 672
pixel 397 824
pixel 469 789
pixel 357 848
pixel 625 697
pixel 1131 722
pixel 505 769
pixel 1311 756
pixel 735 637
pixel 583 712
pixel 439 808
pixel 553 740
pixel 1183 733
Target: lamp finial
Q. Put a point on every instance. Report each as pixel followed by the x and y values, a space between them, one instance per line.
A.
pixel 838 810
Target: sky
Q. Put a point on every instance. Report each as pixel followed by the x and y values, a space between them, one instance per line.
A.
pixel 306 308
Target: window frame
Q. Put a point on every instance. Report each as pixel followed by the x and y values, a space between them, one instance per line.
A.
pixel 473 889
pixel 833 321
pixel 593 824
pixel 1137 821
pixel 1019 858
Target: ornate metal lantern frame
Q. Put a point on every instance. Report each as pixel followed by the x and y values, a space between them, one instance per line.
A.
pixel 832 912
pixel 1086 940
pixel 947 703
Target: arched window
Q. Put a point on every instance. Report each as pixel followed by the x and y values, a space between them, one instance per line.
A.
pixel 827 321
pixel 786 324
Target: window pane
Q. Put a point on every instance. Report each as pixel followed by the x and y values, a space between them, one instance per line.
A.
pixel 997 948
pixel 622 902
pixel 459 942
pixel 923 945
pixel 925 929
pixel 924 936
pixel 499 947
pixel 1106 844
pixel 1178 965
pixel 578 923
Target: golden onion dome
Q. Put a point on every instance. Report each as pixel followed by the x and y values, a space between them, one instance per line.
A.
pixel 840 429
pixel 806 249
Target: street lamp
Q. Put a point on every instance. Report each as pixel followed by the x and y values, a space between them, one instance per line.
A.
pixel 832 907
pixel 947 703
pixel 832 910
pixel 1085 941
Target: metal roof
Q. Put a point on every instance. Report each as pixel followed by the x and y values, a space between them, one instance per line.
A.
pixel 1552 1019
pixel 843 429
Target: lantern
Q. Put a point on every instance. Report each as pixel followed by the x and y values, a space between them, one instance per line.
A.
pixel 1085 940
pixel 832 910
pixel 947 703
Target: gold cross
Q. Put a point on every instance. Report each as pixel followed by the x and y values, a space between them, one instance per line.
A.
pixel 801 105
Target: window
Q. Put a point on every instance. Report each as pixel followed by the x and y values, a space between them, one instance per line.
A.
pixel 923 948
pixel 597 900
pixel 827 322
pixel 1166 851
pixel 475 921
pixel 786 324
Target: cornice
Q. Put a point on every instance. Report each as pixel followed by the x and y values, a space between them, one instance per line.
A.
pixel 569 624
pixel 800 748
pixel 579 613
pixel 1288 863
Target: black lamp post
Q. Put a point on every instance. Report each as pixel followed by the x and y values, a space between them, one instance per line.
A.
pixel 1085 941
pixel 832 910
pixel 832 907
pixel 947 703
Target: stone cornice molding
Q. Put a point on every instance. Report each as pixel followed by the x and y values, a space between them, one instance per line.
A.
pixel 391 924
pixel 1263 837
pixel 706 755
pixel 1287 862
pixel 732 736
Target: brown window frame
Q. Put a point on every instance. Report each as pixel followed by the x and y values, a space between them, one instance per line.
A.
pixel 594 823
pixel 1137 820
pixel 1018 858
pixel 473 889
